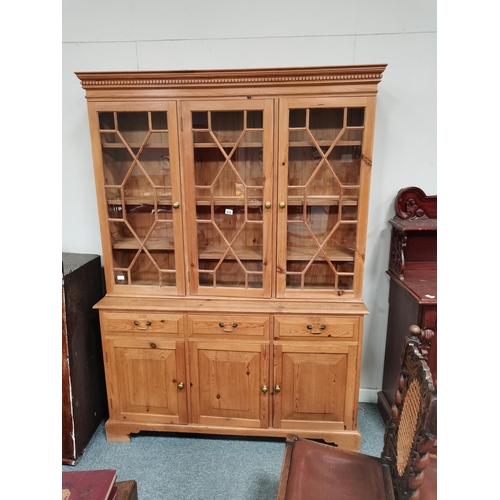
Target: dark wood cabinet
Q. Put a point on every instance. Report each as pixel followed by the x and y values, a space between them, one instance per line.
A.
pixel 413 286
pixel 84 403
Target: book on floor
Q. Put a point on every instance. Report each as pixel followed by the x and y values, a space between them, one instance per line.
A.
pixel 88 485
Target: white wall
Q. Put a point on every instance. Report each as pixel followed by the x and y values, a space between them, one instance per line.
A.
pixel 124 35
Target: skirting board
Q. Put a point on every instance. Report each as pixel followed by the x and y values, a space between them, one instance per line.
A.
pixel 368 395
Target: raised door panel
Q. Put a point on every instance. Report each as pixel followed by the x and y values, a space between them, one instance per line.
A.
pixel 227 150
pixel 146 380
pixel 229 384
pixel 314 386
pixel 323 183
pixel 136 159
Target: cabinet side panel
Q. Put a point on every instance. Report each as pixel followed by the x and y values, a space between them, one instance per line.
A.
pixel 364 195
pixel 403 312
pixel 83 288
pixel 68 432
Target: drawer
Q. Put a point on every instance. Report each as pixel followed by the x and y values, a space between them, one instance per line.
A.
pixel 139 323
pixel 309 327
pixel 229 325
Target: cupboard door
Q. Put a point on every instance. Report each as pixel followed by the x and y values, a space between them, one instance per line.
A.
pixel 229 383
pixel 146 380
pixel 324 165
pixel 139 186
pixel 314 386
pixel 228 151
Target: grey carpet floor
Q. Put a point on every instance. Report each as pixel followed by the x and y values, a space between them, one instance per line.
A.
pixel 202 467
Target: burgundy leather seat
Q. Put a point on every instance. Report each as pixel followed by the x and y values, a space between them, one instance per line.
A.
pixel 317 470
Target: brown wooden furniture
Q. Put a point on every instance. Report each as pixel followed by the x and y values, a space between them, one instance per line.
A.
pixel 127 490
pixel 233 210
pixel 405 470
pixel 413 283
pixel 84 403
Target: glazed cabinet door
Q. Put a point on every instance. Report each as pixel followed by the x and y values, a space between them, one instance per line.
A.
pixel 324 173
pixel 227 147
pixel 135 148
pixel 146 380
pixel 229 383
pixel 314 385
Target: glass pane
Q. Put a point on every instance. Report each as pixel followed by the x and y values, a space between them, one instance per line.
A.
pixel 159 121
pixel 117 162
pixel 122 236
pixel 355 117
pixel 161 237
pixel 229 186
pixel 144 270
pixel 114 200
pixel 133 127
pixel 200 120
pixel 324 169
pixel 230 273
pixel 136 158
pixel 326 124
pixel 226 126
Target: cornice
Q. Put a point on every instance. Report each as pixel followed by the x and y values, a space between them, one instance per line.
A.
pixel 252 77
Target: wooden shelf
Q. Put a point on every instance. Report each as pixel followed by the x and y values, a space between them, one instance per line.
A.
pixel 152 283
pixel 142 200
pixel 327 144
pixel 243 253
pixel 414 224
pixel 134 145
pixel 337 254
pixel 315 200
pixel 294 144
pixel 153 244
pixel 228 201
pixel 228 145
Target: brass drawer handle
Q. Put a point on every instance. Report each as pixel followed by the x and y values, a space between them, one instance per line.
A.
pixel 268 204
pixel 277 388
pixel 264 389
pixel 137 323
pixel 176 204
pixel 180 386
pixel 310 327
pixel 282 204
pixel 228 328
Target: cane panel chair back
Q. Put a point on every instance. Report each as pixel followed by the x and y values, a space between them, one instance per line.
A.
pixel 411 432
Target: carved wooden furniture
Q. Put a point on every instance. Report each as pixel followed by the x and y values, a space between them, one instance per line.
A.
pixel 84 402
pixel 405 469
pixel 413 283
pixel 233 210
